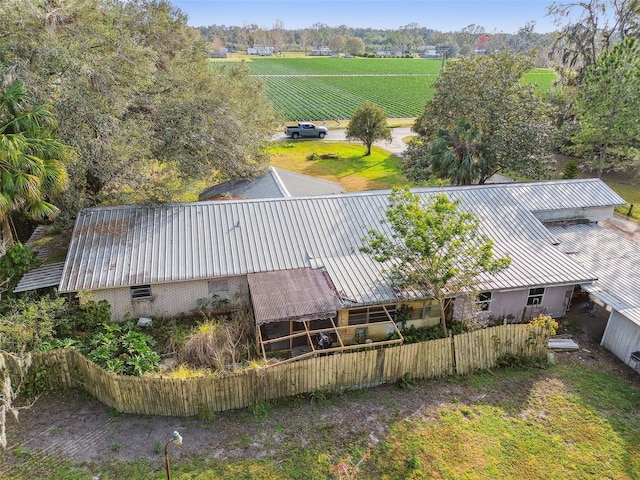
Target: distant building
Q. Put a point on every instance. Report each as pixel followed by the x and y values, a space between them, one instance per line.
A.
pixel 393 52
pixel 261 50
pixel 321 52
pixel 430 52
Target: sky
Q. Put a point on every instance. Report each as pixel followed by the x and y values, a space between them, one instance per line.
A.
pixel 506 16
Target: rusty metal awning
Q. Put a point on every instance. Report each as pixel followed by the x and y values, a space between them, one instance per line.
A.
pixel 301 294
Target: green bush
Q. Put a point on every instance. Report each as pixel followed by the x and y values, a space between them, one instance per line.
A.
pixel 119 348
pixel 413 334
pixel 14 264
pixel 570 170
pixel 83 318
pixel 28 321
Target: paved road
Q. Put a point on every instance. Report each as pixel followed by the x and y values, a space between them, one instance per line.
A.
pixel 396 145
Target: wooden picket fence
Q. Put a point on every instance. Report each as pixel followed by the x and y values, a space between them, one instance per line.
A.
pixel 462 354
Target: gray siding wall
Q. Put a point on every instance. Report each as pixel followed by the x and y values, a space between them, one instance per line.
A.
pixel 514 302
pixel 169 299
pixel 621 336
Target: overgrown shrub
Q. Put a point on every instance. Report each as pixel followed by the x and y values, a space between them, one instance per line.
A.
pixel 121 349
pixel 413 334
pixel 220 343
pixel 83 318
pixel 28 321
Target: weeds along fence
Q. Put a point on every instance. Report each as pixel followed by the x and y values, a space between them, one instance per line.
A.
pixel 462 354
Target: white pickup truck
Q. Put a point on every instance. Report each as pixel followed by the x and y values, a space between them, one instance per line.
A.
pixel 305 130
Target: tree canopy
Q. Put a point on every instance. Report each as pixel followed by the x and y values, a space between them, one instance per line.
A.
pixel 32 160
pixel 606 109
pixel 481 107
pixel 588 29
pixel 436 248
pixel 368 124
pixel 132 89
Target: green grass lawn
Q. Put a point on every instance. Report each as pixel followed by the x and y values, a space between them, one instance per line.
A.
pixel 351 168
pixel 570 422
pixel 631 195
pixel 576 420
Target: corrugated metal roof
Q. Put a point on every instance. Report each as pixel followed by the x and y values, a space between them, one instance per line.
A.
pixel 298 185
pixel 301 294
pixel 561 194
pixel 42 277
pixel 275 183
pixel 358 279
pixel 614 259
pixel 265 186
pixel 120 246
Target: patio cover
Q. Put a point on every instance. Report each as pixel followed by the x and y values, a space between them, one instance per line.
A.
pixel 302 294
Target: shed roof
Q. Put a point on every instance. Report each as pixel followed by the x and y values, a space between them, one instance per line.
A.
pixel 121 246
pixel 614 259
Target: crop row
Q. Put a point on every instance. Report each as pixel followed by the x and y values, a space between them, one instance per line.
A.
pixel 336 98
pixel 342 66
pixel 401 87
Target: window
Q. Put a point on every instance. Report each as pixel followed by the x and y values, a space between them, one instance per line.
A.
pixel 361 316
pixel 219 287
pixel 427 310
pixel 140 292
pixel 535 296
pixel 483 301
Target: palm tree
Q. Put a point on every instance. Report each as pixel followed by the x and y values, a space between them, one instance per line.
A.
pixel 459 154
pixel 31 159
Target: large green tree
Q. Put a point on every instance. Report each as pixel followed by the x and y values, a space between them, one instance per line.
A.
pixel 368 124
pixel 134 92
pixel 607 111
pixel 509 124
pixel 32 169
pixel 436 248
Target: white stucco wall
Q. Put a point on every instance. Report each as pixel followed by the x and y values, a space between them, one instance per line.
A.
pixel 168 299
pixel 621 336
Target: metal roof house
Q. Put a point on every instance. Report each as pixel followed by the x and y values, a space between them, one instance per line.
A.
pixel 304 252
pixel 274 183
